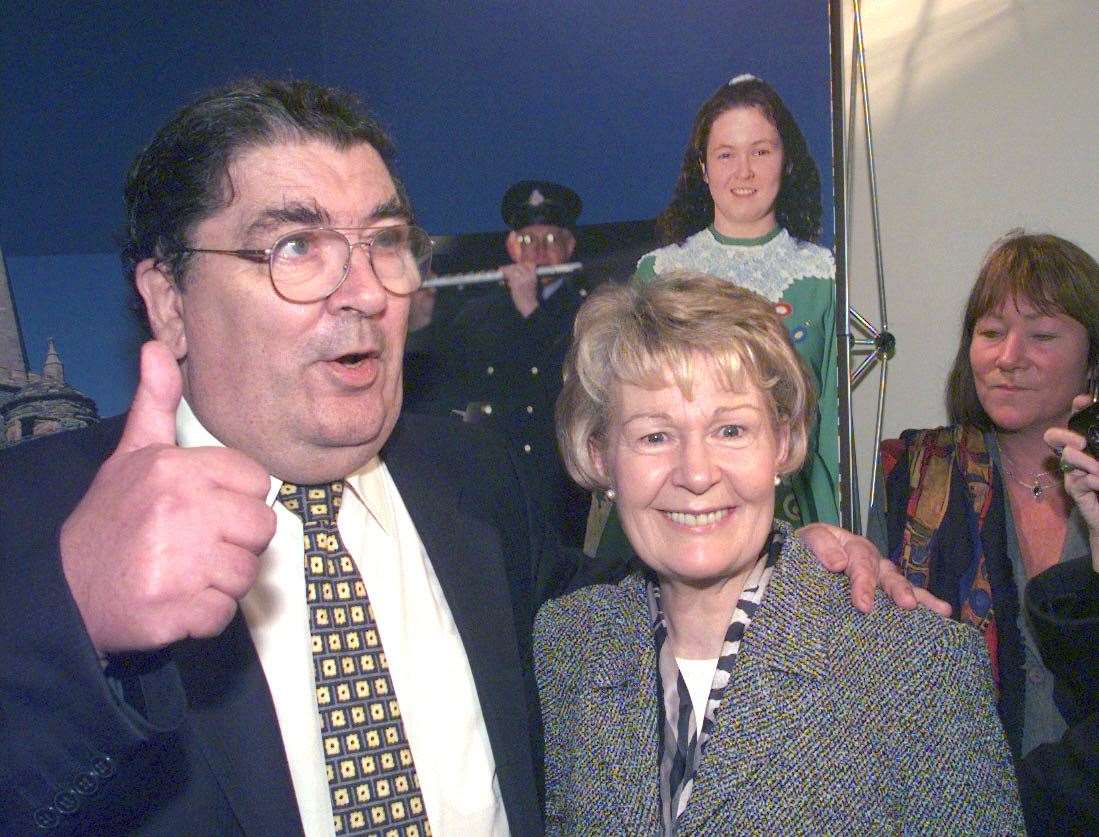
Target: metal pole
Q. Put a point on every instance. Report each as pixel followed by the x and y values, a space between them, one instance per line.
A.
pixel 848 484
pixel 882 342
pixel 879 263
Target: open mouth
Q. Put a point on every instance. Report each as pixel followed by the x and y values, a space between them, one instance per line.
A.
pixel 352 359
pixel 704 519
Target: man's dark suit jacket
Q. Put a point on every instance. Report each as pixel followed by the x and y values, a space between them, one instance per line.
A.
pixel 185 741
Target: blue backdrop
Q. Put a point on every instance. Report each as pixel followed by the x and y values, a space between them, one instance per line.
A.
pixel 596 95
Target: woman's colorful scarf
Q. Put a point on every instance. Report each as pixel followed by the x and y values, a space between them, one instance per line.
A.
pixel 933 456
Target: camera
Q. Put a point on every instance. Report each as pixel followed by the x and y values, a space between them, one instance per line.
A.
pixel 1086 423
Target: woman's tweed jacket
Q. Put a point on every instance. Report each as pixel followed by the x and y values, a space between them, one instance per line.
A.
pixel 834 721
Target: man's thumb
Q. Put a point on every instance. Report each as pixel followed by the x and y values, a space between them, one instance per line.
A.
pixel 152 419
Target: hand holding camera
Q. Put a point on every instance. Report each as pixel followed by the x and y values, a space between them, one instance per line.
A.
pixel 1086 423
pixel 1078 445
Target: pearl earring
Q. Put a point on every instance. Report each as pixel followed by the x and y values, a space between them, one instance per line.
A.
pixel 778 480
pixel 611 495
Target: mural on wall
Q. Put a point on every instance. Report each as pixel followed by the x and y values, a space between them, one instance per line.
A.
pixel 476 97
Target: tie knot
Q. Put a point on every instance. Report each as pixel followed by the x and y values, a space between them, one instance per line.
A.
pixel 318 504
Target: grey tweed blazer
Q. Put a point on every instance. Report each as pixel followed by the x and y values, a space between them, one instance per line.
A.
pixel 834 722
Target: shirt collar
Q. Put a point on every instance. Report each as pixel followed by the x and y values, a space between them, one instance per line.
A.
pixel 368 483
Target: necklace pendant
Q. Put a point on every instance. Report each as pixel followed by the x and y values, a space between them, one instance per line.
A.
pixel 1037 490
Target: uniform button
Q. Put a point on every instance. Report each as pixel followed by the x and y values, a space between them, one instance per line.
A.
pixel 534 370
pixel 526 448
pixel 103 766
pixel 487 409
pixel 490 370
pixel 66 801
pixel 530 408
pixel 87 783
pixel 47 818
pixel 583 292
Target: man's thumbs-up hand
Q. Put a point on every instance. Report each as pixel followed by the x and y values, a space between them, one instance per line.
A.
pixel 152 416
pixel 165 541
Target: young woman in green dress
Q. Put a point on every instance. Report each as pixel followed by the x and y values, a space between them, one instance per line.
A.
pixel 747 208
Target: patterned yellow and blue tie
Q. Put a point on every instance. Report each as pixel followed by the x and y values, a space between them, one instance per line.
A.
pixel 373 781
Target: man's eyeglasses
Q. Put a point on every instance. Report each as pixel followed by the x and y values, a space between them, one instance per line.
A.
pixel 547 240
pixel 309 265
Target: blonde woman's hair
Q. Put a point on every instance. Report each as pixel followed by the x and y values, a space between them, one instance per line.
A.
pixel 648 331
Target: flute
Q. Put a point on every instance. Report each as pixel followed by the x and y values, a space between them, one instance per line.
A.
pixel 479 277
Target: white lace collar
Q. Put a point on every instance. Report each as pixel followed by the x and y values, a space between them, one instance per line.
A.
pixel 767 265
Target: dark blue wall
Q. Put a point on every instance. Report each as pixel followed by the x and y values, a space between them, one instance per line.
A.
pixel 598 95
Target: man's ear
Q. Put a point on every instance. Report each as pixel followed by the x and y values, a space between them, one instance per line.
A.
pixel 515 252
pixel 163 304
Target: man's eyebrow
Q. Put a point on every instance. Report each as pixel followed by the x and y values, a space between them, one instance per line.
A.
pixel 391 208
pixel 279 216
pixel 312 215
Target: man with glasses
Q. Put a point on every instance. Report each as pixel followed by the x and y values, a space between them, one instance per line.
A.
pixel 389 689
pixel 498 361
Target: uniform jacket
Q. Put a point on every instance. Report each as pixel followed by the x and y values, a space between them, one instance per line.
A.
pixel 189 742
pixel 834 722
pixel 509 368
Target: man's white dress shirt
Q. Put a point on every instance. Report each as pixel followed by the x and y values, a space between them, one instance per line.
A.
pixel 430 670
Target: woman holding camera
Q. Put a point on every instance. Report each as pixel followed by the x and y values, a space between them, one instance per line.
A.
pixel 975 510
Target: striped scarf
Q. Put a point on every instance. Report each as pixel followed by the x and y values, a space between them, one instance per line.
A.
pixel 681 747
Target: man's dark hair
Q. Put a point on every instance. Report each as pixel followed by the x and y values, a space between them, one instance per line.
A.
pixel 182 176
pixel 797 207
